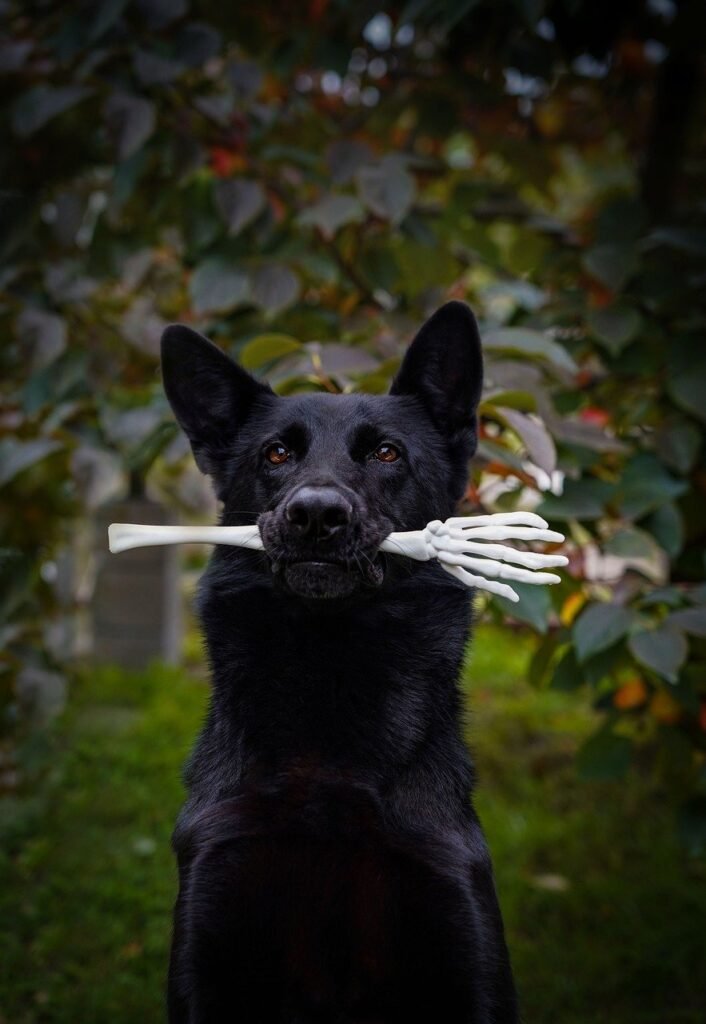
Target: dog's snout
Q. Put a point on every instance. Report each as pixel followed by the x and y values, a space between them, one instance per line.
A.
pixel 318 513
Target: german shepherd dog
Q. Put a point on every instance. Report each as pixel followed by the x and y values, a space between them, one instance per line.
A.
pixel 332 868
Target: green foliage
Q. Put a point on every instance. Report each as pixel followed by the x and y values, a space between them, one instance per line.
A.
pixel 305 185
pixel 90 853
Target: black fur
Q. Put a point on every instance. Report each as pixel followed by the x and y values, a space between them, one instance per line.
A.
pixel 332 868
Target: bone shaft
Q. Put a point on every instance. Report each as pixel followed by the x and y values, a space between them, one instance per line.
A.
pixel 412 544
pixel 470 580
pixel 509 533
pixel 125 536
pixel 498 519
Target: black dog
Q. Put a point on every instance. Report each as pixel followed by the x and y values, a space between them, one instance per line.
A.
pixel 332 868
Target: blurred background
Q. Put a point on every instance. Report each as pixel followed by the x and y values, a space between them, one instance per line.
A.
pixel 305 182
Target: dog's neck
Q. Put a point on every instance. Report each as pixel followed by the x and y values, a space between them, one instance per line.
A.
pixel 368 687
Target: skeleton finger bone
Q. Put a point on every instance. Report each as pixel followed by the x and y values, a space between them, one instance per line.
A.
pixel 503 533
pixel 498 570
pixel 530 559
pixel 469 580
pixel 494 519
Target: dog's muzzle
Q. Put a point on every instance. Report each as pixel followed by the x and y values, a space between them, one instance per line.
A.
pixel 320 543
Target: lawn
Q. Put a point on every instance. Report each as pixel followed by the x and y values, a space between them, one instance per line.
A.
pixel 605 916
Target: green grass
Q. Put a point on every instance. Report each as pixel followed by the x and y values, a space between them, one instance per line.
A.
pixel 89 894
pixel 605 916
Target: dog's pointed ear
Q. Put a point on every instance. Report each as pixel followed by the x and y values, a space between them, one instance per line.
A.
pixel 210 394
pixel 443 368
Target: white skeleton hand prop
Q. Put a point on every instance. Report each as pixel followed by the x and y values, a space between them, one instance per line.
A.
pixel 465 546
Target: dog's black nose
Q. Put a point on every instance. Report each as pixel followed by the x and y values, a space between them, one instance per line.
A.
pixel 318 512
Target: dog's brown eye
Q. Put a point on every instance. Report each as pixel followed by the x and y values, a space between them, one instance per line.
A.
pixel 386 453
pixel 276 453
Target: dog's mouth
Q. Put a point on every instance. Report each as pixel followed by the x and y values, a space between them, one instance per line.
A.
pixel 344 563
pixel 326 580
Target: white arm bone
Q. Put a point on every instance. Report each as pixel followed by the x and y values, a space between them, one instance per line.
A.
pixel 456 543
pixel 123 536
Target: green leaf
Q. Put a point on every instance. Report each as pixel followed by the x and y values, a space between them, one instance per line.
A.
pixel 43 333
pixel 218 287
pixel 600 626
pixel 159 13
pixel 266 348
pixel 422 266
pixel 64 378
pixel 604 756
pixel 533 607
pixel 42 103
pixel 691 240
pixel 499 453
pixel 284 154
pixel 667 527
pixel 338 360
pixel 612 264
pixel 106 14
pixel 663 650
pixel 581 499
pixel 525 401
pixel 143 454
pixel 245 79
pixel 523 341
pixel 686 383
pixel 197 42
pixel 274 287
pixel 216 106
pixel 14 54
pixel 332 213
pixel 456 11
pixel 17 573
pixel 567 674
pixel 689 620
pixel 602 665
pixel 645 485
pixel 154 69
pixel 345 158
pixel 387 189
pixel 535 436
pixel 583 435
pixel 671 596
pixel 16 456
pixel 130 121
pixel 692 825
pixel 621 220
pixel 677 443
pixel 640 551
pixel 127 429
pixel 541 660
pixel 615 326
pixel 240 202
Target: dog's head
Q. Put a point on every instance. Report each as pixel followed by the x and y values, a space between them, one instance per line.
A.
pixel 327 477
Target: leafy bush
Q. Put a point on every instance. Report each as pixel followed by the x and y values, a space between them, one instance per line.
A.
pixel 305 183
